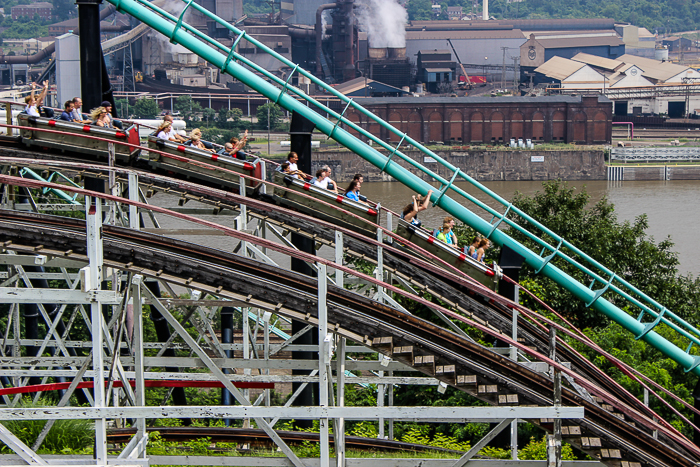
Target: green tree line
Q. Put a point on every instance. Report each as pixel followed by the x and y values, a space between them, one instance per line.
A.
pixel 662 16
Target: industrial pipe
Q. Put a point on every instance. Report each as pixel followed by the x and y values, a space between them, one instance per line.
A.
pixel 319 35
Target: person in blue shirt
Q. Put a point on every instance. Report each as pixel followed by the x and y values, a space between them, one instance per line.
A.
pixel 353 192
pixel 67 111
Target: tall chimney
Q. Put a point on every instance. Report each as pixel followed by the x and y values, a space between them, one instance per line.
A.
pixel 485 12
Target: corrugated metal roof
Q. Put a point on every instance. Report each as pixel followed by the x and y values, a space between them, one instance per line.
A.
pixel 600 62
pixel 654 68
pixel 464 35
pixel 353 85
pixel 357 84
pixel 559 68
pixel 565 43
pixel 577 33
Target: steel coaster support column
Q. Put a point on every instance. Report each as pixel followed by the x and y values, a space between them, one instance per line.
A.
pixel 139 367
pixel 339 435
pixel 338 258
pixel 246 354
pixel 514 439
pixel 227 313
pixel 242 224
pixel 391 403
pixel 93 279
pixel 134 221
pixel 554 440
pixel 324 350
pixel 266 350
pixel 379 271
pixel 655 433
pixel 380 397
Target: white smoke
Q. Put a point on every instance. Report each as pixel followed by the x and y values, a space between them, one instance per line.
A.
pixel 175 9
pixel 384 21
pixel 325 19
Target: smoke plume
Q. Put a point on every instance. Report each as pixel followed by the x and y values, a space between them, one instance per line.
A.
pixel 384 21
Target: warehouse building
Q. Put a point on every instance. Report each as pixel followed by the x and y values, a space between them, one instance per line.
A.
pixel 482 120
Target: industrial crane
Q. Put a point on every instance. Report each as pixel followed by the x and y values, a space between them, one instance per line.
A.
pixel 468 82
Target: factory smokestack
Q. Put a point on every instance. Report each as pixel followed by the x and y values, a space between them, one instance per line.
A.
pixel 485 12
pixel 384 21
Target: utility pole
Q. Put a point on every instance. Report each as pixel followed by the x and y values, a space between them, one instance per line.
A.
pixel 516 78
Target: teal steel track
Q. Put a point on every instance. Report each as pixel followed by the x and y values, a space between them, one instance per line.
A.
pixel 448 196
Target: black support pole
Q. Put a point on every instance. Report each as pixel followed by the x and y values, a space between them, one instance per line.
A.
pixel 300 138
pixel 510 262
pixel 91 66
pixel 227 313
pixel 90 52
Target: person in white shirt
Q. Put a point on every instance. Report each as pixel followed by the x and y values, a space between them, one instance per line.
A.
pixel 292 160
pixel 163 131
pixel 34 102
pixel 323 179
pixel 172 134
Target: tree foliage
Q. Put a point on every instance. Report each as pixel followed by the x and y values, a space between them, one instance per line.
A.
pixel 623 247
pixel 122 108
pixel 419 10
pixel 275 112
pixel 145 107
pixel 187 106
pixel 23 29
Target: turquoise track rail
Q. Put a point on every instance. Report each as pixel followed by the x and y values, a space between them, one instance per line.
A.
pixel 449 197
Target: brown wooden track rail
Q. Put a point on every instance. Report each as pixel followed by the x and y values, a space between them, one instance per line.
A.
pixel 435 351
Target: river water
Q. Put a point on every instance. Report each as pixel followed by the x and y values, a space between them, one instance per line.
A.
pixel 672 207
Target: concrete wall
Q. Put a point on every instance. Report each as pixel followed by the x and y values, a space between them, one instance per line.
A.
pixel 482 165
pixel 656 172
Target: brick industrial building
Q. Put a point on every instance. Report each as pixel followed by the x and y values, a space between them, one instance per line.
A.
pixel 43 9
pixel 485 120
